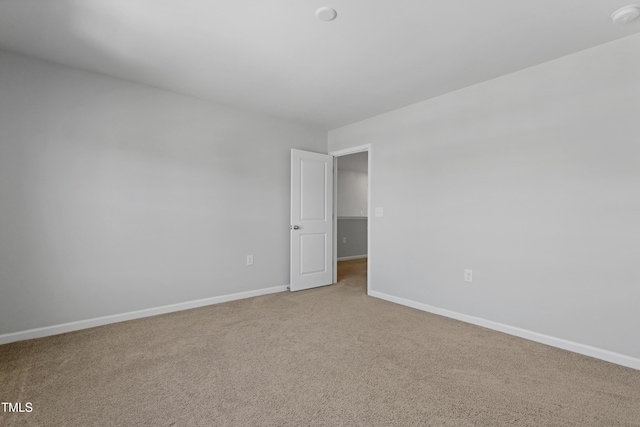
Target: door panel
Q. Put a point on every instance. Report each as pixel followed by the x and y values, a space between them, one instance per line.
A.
pixel 311 220
pixel 313 190
pixel 312 253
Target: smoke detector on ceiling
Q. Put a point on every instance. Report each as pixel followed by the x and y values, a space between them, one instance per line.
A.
pixel 326 14
pixel 625 14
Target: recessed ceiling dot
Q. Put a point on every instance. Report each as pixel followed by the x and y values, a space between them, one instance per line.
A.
pixel 625 14
pixel 326 14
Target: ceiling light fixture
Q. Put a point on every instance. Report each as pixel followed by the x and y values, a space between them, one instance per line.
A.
pixel 625 14
pixel 326 14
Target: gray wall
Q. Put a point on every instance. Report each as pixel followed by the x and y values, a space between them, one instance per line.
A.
pixel 116 197
pixel 532 180
pixel 352 192
pixel 352 198
pixel 354 231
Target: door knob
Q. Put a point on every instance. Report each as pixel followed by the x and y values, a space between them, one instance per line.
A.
pixel 295 227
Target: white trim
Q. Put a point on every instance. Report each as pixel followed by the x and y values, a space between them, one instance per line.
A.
pixel 347 258
pixel 351 150
pixel 339 153
pixel 587 350
pixel 100 321
pixel 334 261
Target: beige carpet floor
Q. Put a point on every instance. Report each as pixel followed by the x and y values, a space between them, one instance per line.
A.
pixel 325 357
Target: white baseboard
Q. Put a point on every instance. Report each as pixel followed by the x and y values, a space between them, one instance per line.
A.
pixel 99 321
pixel 598 353
pixel 346 258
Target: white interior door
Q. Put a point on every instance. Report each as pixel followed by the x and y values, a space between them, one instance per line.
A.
pixel 311 220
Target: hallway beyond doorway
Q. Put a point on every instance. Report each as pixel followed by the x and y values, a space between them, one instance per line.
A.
pixel 353 273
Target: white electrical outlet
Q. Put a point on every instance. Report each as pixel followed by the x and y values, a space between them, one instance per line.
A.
pixel 249 259
pixel 344 240
pixel 379 212
pixel 468 275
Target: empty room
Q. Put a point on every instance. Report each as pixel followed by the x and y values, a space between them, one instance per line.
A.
pixel 299 212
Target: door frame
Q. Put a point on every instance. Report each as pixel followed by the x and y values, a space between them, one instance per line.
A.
pixel 336 154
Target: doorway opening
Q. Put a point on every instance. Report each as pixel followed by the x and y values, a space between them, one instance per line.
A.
pixel 352 190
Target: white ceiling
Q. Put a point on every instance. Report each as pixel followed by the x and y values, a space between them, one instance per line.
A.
pixel 276 57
